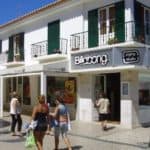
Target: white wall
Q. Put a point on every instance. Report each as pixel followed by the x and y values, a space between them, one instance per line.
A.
pixel 33 37
pixel 85 98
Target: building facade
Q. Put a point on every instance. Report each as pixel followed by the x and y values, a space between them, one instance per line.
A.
pixel 81 48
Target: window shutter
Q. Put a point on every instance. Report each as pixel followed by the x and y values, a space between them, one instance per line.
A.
pixel 120 23
pixel 139 21
pixel 10 50
pixel 53 36
pixel 93 28
pixel 0 46
pixel 21 46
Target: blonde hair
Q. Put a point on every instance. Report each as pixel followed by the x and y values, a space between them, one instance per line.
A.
pixel 41 99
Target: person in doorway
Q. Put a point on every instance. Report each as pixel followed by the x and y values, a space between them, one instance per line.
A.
pixel 103 105
pixel 40 114
pixel 15 112
pixel 61 121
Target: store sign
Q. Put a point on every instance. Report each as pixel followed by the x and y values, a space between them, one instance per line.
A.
pixel 131 56
pixel 88 60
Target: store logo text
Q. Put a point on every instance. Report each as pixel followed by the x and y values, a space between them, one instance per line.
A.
pixel 88 60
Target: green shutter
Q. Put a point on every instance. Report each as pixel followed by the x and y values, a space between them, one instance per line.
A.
pixel 119 21
pixel 10 50
pixel 139 21
pixel 21 46
pixel 53 36
pixel 93 28
pixel 0 46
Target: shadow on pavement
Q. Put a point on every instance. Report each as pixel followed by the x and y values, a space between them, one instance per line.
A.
pixel 13 140
pixel 110 128
pixel 4 123
pixel 5 132
pixel 77 147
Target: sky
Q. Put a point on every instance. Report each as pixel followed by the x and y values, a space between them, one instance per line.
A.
pixel 11 9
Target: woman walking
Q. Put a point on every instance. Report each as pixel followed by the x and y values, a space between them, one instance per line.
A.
pixel 15 112
pixel 40 114
pixel 61 125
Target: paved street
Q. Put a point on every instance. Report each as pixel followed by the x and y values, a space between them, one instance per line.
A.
pixel 84 136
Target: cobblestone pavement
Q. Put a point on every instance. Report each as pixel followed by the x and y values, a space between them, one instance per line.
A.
pixel 83 136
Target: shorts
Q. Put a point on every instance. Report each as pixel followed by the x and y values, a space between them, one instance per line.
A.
pixel 103 117
pixel 61 129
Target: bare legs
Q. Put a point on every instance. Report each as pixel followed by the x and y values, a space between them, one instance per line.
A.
pixel 39 139
pixel 66 141
pixel 104 125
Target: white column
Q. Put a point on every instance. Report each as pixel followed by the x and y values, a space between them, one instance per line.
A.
pixel 85 97
pixel 1 96
pixel 129 99
pixel 129 20
pixel 43 84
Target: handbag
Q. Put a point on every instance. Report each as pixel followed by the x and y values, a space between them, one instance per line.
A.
pixel 30 140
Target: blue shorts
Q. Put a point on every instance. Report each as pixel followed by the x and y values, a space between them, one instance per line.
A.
pixel 61 129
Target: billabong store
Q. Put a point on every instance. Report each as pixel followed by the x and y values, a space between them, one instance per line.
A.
pixel 124 74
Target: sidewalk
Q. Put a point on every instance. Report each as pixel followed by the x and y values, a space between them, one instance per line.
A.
pixel 84 136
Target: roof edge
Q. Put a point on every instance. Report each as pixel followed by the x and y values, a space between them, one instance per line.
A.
pixel 36 11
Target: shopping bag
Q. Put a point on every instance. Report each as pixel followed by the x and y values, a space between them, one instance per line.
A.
pixel 69 122
pixel 30 140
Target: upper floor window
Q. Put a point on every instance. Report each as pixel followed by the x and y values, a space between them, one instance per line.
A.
pixel 147 21
pixel 107 20
pixel 16 41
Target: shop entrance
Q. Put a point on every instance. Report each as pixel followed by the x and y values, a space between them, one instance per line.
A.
pixel 110 84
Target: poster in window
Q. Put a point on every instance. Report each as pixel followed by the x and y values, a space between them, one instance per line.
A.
pixel 69 91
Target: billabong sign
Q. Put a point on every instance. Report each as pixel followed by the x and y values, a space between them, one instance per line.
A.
pixel 131 56
pixel 87 60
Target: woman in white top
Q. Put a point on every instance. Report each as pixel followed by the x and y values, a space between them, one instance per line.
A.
pixel 103 108
pixel 15 112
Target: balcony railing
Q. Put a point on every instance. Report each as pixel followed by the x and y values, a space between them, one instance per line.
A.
pixel 130 31
pixel 41 48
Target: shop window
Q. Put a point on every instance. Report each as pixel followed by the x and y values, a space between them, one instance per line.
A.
pixel 26 91
pixel 63 84
pixel 144 97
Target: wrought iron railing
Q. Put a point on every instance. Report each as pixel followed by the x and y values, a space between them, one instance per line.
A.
pixel 129 31
pixel 41 48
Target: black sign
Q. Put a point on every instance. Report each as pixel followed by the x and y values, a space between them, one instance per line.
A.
pixel 131 56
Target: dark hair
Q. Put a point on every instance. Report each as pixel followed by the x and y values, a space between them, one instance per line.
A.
pixel 59 97
pixel 103 94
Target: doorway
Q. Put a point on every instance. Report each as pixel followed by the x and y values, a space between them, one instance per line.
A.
pixel 113 93
pixel 110 84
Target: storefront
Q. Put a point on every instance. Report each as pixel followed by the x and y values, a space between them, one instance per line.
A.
pixel 116 71
pixel 30 82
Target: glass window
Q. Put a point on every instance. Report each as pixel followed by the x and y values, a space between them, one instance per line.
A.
pixel 65 85
pixel 111 19
pixel 144 89
pixel 147 20
pixel 16 44
pixel 103 21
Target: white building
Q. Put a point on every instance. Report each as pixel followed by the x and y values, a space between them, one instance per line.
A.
pixel 81 47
